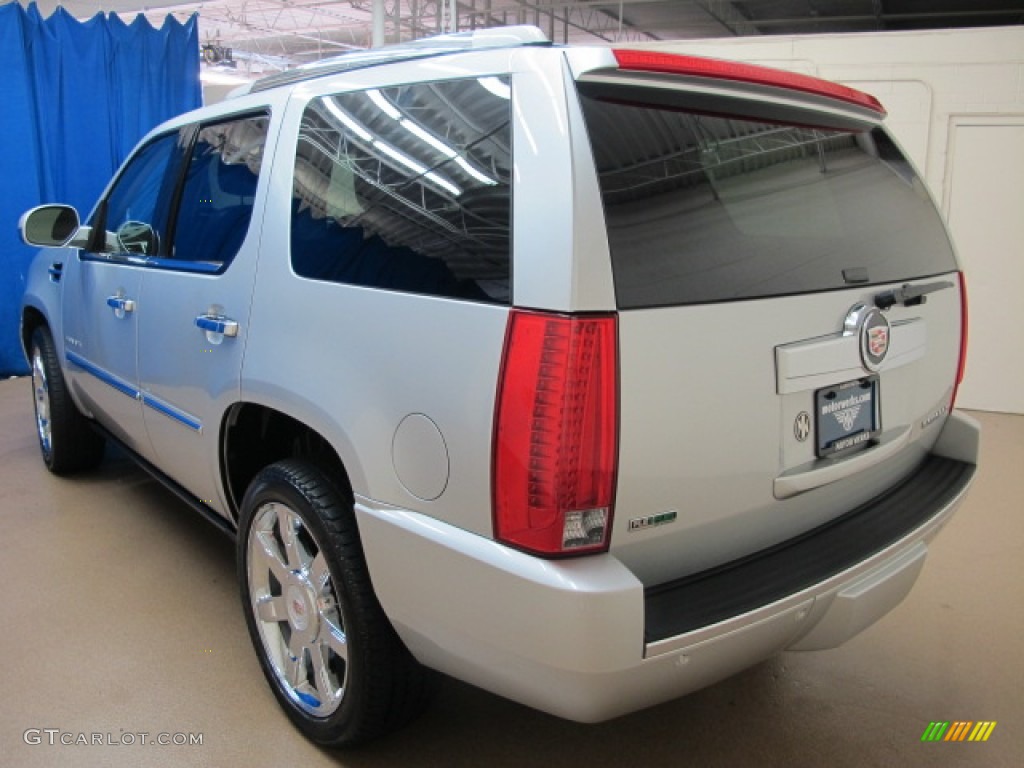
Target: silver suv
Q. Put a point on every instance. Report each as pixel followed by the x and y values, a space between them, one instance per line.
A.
pixel 589 376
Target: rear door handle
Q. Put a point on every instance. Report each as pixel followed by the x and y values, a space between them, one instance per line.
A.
pixel 217 327
pixel 120 305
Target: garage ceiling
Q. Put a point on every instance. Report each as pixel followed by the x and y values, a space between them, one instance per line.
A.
pixel 261 36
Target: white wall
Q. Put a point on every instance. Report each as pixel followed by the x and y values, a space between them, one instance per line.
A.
pixel 956 103
pixel 214 92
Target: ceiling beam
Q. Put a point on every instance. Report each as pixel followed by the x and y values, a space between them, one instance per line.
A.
pixel 887 17
pixel 726 14
pixel 587 19
pixel 261 32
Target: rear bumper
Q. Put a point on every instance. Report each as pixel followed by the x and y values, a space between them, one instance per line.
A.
pixel 583 640
pixel 841 547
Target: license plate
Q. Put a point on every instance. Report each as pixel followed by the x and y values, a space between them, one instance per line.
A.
pixel 847 415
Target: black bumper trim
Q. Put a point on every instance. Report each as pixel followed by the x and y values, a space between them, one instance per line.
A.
pixel 764 577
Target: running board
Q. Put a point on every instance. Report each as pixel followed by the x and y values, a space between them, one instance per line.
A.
pixel 224 526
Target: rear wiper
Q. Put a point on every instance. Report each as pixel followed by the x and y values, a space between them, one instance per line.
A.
pixel 909 295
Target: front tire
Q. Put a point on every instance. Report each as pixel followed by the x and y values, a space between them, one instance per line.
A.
pixel 66 440
pixel 331 656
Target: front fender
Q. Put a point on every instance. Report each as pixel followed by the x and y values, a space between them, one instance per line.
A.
pixel 41 302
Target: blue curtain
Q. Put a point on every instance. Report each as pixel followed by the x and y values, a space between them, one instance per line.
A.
pixel 75 97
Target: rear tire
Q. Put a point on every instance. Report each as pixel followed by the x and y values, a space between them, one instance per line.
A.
pixel 67 441
pixel 331 656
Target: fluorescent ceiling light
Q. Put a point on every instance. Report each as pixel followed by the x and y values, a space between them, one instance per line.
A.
pixel 442 182
pixel 383 104
pixel 496 86
pixel 464 164
pixel 428 137
pixel 401 157
pixel 415 167
pixel 349 123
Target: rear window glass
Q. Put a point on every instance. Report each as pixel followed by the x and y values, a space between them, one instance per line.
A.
pixel 706 208
pixel 407 188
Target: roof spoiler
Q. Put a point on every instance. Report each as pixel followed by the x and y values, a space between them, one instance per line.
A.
pixel 697 66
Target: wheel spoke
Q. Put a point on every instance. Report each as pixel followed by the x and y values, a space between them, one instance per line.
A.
pixel 267 548
pixel 272 609
pixel 295 664
pixel 322 677
pixel 319 575
pixel 296 647
pixel 334 636
pixel 288 524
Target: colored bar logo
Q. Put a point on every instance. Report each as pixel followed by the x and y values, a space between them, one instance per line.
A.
pixel 959 730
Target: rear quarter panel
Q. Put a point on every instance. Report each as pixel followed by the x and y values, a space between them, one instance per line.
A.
pixel 354 362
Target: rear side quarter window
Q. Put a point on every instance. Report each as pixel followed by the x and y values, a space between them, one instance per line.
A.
pixel 407 188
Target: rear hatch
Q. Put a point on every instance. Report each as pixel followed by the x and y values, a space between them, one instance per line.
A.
pixel 789 305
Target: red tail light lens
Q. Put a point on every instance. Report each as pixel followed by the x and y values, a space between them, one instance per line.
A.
pixel 675 64
pixel 556 434
pixel 962 364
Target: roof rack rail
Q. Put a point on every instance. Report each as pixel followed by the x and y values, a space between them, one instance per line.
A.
pixel 495 37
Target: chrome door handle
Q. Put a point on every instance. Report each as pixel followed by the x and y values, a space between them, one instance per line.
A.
pixel 217 325
pixel 120 305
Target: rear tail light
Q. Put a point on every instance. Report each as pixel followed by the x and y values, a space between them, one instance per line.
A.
pixel 556 434
pixel 962 364
pixel 676 64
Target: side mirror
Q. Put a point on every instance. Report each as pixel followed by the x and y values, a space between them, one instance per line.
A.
pixel 137 237
pixel 52 226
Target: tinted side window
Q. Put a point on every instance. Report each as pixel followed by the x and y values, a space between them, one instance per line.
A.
pixel 135 212
pixel 407 188
pixel 703 208
pixel 219 190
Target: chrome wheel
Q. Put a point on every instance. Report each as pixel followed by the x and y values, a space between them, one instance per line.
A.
pixel 332 658
pixel 41 391
pixel 296 610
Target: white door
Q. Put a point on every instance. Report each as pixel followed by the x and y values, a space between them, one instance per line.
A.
pixel 101 291
pixel 194 306
pixel 986 214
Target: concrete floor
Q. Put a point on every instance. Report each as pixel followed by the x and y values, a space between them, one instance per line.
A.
pixel 124 618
